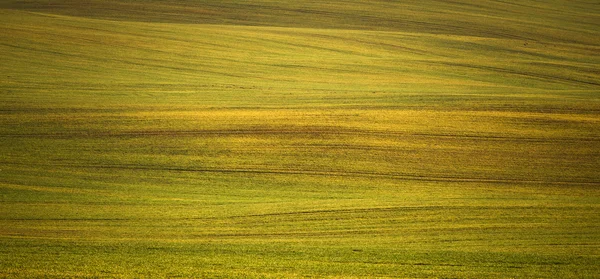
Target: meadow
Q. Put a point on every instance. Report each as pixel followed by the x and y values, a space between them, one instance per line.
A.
pixel 286 139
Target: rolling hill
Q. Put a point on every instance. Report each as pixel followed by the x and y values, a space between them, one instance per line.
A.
pixel 286 139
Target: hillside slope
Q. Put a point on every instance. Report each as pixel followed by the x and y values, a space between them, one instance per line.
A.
pixel 286 139
pixel 531 20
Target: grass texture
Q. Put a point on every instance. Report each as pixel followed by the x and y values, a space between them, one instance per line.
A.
pixel 286 139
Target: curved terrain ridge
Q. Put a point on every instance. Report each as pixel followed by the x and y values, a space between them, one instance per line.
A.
pixel 286 139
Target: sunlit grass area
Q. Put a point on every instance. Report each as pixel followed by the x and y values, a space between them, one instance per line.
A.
pixel 279 139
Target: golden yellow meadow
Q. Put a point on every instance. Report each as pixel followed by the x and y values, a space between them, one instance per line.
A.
pixel 299 139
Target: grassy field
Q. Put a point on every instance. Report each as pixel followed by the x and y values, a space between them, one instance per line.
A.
pixel 286 139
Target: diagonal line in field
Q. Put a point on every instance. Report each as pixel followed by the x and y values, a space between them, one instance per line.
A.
pixel 324 131
pixel 310 172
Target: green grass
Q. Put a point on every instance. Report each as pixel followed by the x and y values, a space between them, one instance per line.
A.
pixel 276 139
